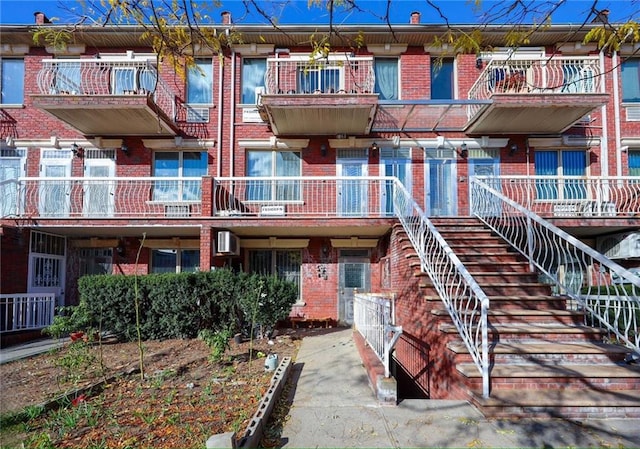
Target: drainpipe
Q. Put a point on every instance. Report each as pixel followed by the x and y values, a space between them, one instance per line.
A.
pixel 616 112
pixel 604 151
pixel 232 114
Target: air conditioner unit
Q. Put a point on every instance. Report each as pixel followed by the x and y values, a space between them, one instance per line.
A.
pixel 177 210
pixel 624 245
pixel 228 243
pixel 197 115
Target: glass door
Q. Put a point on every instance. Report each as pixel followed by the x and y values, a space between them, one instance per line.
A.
pixel 55 187
pixel 99 195
pixel 352 193
pixel 441 189
pixel 354 277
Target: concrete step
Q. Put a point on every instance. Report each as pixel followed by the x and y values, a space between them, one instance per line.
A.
pixel 503 289
pixel 588 374
pixel 523 316
pixel 515 302
pixel 536 332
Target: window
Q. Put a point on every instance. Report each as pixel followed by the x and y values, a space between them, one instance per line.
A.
pixel 68 78
pixel 270 164
pixel 285 264
pixel 253 71
pixel 631 80
pixel 12 81
pixel 130 80
pixel 179 164
pixel 12 164
pixel 200 82
pixel 319 78
pixel 559 164
pixel 441 78
pixel 96 261
pixel 386 73
pixel 634 163
pixel 175 260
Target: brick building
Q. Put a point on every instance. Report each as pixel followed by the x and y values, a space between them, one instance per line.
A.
pixel 267 160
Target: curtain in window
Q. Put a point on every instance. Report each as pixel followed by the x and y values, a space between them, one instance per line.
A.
pixel 441 79
pixel 287 164
pixel 199 82
pixel 12 81
pixel 258 165
pixel 261 164
pixel 178 164
pixel 634 163
pixel 546 164
pixel 574 164
pixel 631 80
pixel 253 71
pixel 386 72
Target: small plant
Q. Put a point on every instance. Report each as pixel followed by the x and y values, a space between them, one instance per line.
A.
pixel 70 319
pixel 75 361
pixel 217 341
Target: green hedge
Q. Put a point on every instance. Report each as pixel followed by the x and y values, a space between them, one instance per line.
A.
pixel 180 305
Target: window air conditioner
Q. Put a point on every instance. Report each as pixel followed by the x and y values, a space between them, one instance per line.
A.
pixel 620 246
pixel 228 243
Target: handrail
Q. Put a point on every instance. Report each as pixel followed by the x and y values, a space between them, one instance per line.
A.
pixel 26 311
pixel 575 269
pixel 463 298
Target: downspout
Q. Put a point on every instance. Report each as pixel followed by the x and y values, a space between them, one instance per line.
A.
pixel 232 114
pixel 220 112
pixel 616 112
pixel 604 151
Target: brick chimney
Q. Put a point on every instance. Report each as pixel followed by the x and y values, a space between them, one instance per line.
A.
pixel 226 17
pixel 415 18
pixel 41 18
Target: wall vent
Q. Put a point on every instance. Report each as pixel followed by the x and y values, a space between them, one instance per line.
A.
pixel 197 115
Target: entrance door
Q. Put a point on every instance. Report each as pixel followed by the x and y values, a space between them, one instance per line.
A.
pixel 54 195
pixel 12 162
pixel 99 196
pixel 441 189
pixel 394 163
pixel 355 276
pixel 486 167
pixel 352 193
pixel 47 260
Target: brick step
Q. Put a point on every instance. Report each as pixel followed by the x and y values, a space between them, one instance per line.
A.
pixel 509 302
pixel 546 352
pixel 532 332
pixel 521 316
pixel 475 266
pixel 502 289
pixel 585 403
pixel 556 374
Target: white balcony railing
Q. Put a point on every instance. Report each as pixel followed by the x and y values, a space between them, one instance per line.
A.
pixel 76 197
pixel 571 196
pixel 96 77
pixel 25 311
pixel 556 75
pixel 302 75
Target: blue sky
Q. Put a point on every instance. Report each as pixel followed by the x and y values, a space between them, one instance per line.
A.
pixel 297 11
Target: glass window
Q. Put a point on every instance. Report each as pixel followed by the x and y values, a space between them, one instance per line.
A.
pixel 285 264
pixel 68 78
pixel 386 72
pixel 271 164
pixel 559 164
pixel 634 163
pixel 200 82
pixel 442 78
pixel 319 80
pixel 631 80
pixel 12 81
pixel 175 260
pixel 179 164
pixel 253 71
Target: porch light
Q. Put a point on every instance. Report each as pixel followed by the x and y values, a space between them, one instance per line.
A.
pixel 464 151
pixel 513 149
pixel 77 150
pixel 374 149
pixel 478 62
pixel 323 150
pixel 125 149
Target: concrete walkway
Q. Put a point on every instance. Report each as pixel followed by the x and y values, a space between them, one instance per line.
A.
pixel 334 406
pixel 30 349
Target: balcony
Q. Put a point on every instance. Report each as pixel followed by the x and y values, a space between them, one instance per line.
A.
pixel 318 97
pixel 535 96
pixel 101 97
pixel 571 197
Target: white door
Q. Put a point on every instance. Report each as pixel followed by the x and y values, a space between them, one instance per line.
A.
pixel 12 162
pixel 352 193
pixel 47 261
pixel 99 195
pixel 55 195
pixel 440 187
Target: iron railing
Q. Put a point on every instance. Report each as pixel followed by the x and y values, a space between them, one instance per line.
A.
pixel 333 75
pixel 373 317
pixel 26 311
pixel 573 196
pixel 463 298
pixel 607 292
pixel 557 75
pixel 98 77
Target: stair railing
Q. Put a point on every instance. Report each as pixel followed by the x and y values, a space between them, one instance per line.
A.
pixel 463 298
pixel 607 292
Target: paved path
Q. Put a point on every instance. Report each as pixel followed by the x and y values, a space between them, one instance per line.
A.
pixel 334 406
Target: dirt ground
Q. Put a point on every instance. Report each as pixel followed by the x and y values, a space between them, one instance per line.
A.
pixel 183 398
